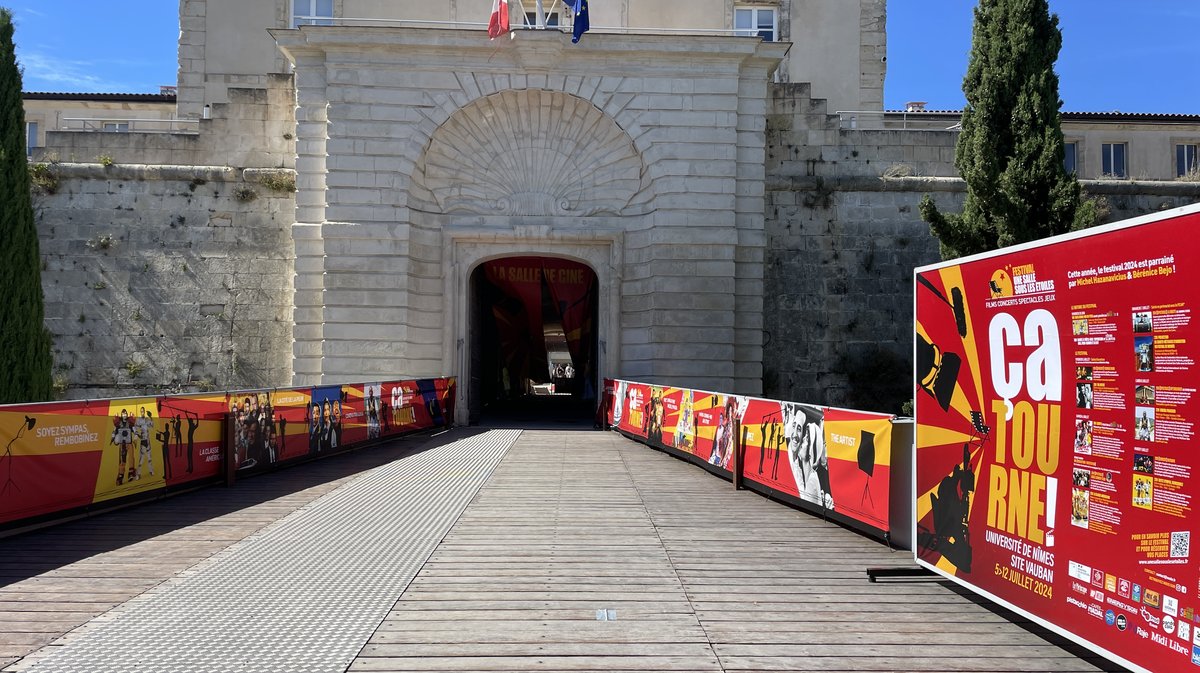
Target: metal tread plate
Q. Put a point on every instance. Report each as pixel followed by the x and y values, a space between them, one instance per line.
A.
pixel 302 595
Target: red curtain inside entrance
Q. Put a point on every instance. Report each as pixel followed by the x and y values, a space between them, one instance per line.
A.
pixel 571 288
pixel 522 333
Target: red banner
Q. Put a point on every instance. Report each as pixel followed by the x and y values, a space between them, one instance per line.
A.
pixel 71 455
pixel 830 460
pixel 1056 410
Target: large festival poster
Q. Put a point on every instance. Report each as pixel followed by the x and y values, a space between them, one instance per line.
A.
pixel 1056 410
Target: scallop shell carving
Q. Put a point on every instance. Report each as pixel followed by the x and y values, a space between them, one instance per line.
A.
pixel 531 152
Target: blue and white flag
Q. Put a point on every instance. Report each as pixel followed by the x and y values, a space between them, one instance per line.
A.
pixel 582 24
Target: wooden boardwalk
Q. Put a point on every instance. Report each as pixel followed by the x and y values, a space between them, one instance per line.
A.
pixel 57 579
pixel 700 578
pixel 688 574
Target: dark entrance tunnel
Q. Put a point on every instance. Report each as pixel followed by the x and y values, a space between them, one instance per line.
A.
pixel 533 341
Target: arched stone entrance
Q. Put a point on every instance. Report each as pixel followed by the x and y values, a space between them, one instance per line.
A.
pixel 533 339
pixel 472 301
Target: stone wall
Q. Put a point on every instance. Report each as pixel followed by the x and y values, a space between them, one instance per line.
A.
pixel 167 258
pixel 166 278
pixel 843 237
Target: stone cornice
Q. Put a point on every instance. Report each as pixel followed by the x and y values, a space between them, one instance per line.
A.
pixel 548 51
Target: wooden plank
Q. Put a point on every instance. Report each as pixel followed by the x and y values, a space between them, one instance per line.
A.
pixel 468 648
pixel 536 663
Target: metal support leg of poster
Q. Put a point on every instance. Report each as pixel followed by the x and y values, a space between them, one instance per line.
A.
pixel 739 444
pixel 920 574
pixel 229 452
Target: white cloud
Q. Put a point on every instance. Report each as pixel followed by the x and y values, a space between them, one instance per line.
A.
pixel 45 73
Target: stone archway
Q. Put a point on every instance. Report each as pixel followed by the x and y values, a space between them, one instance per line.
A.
pixel 528 153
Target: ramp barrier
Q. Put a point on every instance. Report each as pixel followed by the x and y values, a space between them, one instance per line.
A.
pixel 64 459
pixel 850 466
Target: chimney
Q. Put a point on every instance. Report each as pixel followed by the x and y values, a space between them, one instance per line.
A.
pixel 914 106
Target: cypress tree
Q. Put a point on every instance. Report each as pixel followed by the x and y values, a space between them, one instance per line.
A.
pixel 1010 151
pixel 25 360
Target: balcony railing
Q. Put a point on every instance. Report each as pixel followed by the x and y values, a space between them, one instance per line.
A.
pixel 110 125
pixel 517 24
pixel 878 120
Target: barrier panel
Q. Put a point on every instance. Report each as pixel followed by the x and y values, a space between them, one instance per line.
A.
pixel 67 458
pixel 836 462
pixel 1056 412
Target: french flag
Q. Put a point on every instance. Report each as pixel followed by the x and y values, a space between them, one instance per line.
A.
pixel 498 24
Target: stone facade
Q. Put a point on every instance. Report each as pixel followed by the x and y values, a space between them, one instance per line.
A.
pixel 837 45
pixel 435 152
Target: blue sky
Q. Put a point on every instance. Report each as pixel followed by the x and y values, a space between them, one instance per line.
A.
pixel 1127 55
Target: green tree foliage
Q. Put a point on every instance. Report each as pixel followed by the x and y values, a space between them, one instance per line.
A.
pixel 1010 151
pixel 25 360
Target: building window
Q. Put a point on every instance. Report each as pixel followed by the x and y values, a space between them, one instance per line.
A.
pixel 1185 160
pixel 31 129
pixel 551 19
pixel 1071 157
pixel 312 13
pixel 116 127
pixel 1113 160
pixel 755 22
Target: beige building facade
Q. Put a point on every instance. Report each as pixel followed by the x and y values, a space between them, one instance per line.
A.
pixel 839 46
pixel 1098 145
pixel 104 112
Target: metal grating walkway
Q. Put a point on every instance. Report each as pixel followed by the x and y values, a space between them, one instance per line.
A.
pixel 306 593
